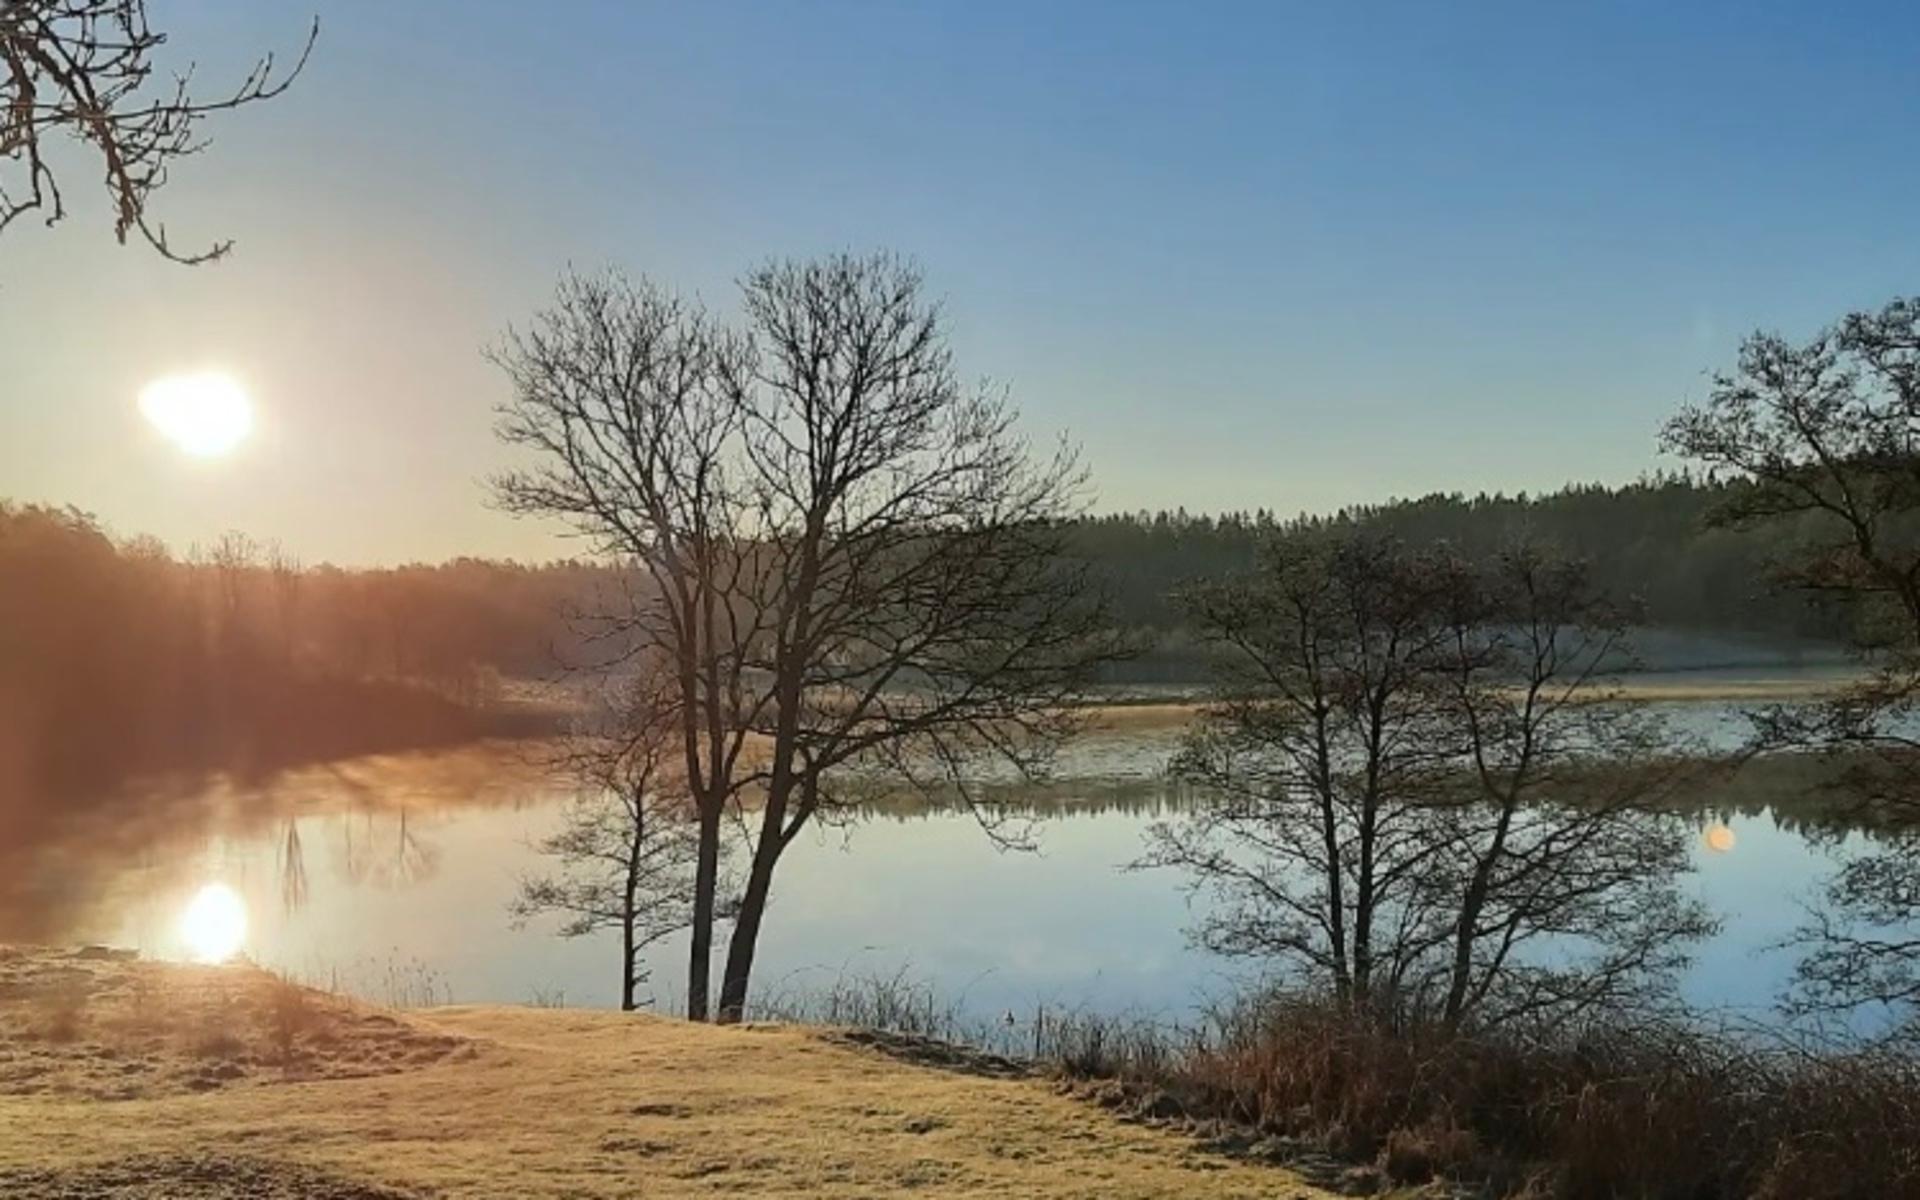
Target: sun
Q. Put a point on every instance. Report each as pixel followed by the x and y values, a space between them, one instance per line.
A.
pixel 214 923
pixel 205 415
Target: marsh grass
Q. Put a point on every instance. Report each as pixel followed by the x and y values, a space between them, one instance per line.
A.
pixel 390 982
pixel 892 1003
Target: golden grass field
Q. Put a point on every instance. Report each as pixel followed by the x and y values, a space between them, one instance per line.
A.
pixel 136 1079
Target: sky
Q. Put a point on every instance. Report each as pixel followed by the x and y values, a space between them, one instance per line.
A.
pixel 1266 255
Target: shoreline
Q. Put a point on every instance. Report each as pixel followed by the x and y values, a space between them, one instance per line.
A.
pixel 1149 712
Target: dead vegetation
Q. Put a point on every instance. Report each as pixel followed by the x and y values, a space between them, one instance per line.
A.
pixel 1657 1108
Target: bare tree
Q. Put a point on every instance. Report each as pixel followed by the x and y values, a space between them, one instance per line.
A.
pixel 1824 439
pixel 1406 791
pixel 925 610
pixel 627 845
pixel 1555 840
pixel 1311 765
pixel 285 576
pixel 619 394
pixel 81 67
pixel 852 559
pixel 235 558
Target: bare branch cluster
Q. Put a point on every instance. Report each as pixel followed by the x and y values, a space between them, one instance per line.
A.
pixel 625 848
pixel 83 68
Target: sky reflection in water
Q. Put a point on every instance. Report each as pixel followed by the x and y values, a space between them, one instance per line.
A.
pixel 390 876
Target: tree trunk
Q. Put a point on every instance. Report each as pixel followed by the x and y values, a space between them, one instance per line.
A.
pixel 1461 973
pixel 636 839
pixel 746 936
pixel 753 902
pixel 626 963
pixel 1471 906
pixel 706 875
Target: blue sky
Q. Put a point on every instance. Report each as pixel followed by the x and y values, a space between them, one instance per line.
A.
pixel 1267 255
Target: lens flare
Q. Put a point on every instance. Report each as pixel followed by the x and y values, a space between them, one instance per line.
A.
pixel 205 415
pixel 214 923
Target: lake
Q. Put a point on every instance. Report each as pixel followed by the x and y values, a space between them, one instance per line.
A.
pixel 390 875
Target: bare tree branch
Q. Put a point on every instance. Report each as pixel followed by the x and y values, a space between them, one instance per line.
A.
pixel 82 67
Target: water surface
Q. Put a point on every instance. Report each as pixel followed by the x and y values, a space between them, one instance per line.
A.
pixel 390 876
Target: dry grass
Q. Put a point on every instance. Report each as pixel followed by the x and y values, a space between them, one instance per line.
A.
pixel 532 1102
pixel 1659 1109
pixel 102 1028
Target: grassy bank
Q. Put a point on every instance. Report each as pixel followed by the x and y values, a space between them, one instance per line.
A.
pixel 1655 1108
pixel 1651 1109
pixel 127 1079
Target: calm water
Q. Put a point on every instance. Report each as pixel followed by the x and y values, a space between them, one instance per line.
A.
pixel 390 874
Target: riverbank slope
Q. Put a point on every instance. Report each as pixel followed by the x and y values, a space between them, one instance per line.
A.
pixel 136 1079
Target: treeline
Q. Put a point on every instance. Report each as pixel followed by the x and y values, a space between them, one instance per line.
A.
pixel 1648 540
pixel 239 651
pixel 117 657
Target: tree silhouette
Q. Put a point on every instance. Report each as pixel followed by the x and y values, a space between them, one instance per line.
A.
pixel 82 68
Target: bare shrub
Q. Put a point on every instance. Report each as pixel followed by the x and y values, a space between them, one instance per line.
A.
pixel 1409 788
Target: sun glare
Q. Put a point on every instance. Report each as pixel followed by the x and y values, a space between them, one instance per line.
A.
pixel 205 415
pixel 1718 838
pixel 214 923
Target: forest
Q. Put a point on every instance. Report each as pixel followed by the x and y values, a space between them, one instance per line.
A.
pixel 118 654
